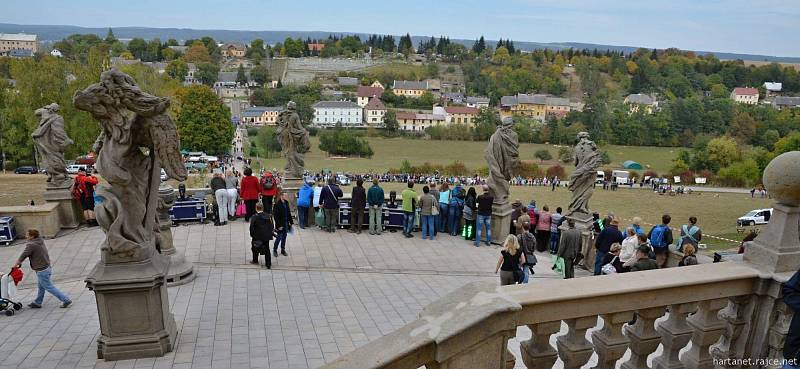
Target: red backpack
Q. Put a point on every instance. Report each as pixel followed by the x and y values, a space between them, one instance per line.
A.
pixel 267 181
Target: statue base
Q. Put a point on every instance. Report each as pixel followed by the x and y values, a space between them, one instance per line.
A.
pixel 70 214
pixel 501 222
pixel 181 271
pixel 584 223
pixel 777 249
pixel 291 186
pixel 133 308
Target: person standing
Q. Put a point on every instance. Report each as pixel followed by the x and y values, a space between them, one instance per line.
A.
pixel 444 204
pixel 375 201
pixel 426 204
pixel 36 253
pixel 484 218
pixel 511 257
pixel 527 242
pixel 83 190
pixel 409 197
pixel 435 193
pixel 304 197
pixel 543 229
pixel 283 223
pixel 610 235
pixel 568 248
pixel 261 232
pixel 231 182
pixel 457 195
pixel 791 347
pixel 555 232
pixel 516 212
pixel 329 201
pixel 218 187
pixel 358 203
pixel 248 191
pixel 269 188
pixel 690 234
pixel 660 238
pixel 470 214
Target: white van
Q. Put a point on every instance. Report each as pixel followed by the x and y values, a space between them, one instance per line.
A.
pixel 601 177
pixel 74 168
pixel 753 217
pixel 621 176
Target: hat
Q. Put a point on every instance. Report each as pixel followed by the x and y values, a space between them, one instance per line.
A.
pixel 614 221
pixel 517 202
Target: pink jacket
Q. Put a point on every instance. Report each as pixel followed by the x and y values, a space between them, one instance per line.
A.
pixel 544 221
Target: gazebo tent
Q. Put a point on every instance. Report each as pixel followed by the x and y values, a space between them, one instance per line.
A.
pixel 630 164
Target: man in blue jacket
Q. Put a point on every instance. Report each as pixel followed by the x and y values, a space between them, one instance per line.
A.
pixel 304 198
pixel 791 297
pixel 375 203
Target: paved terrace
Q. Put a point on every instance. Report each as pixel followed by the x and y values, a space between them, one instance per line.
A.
pixel 332 294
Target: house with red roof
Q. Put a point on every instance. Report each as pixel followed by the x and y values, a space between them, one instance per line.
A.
pixel 461 114
pixel 367 93
pixel 374 112
pixel 745 95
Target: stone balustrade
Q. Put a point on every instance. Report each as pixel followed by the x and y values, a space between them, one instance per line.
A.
pixel 716 307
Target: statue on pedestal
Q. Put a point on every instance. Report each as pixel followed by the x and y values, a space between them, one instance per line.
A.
pixel 294 141
pixel 50 140
pixel 581 181
pixel 502 156
pixel 137 139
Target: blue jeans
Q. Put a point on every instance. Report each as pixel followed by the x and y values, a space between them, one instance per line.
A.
pixel 483 220
pixel 428 227
pixel 526 273
pixel 408 222
pixel 454 215
pixel 280 239
pixel 443 217
pixel 302 216
pixel 45 284
pixel 554 237
pixel 598 261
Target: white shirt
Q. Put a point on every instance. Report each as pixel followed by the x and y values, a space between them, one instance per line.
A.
pixel 317 194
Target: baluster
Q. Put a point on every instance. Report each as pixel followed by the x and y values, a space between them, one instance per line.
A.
pixel 644 337
pixel 609 342
pixel 777 333
pixel 731 344
pixel 675 334
pixel 707 328
pixel 573 348
pixel 537 352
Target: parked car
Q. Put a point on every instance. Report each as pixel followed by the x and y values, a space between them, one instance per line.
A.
pixel 74 168
pixel 163 175
pixel 753 217
pixel 26 170
pixel 343 180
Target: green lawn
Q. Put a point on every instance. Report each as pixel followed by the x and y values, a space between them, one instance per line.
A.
pixel 390 153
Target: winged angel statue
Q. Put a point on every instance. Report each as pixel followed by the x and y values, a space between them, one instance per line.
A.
pixel 137 139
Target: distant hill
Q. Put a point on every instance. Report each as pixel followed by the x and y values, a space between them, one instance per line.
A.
pixel 52 33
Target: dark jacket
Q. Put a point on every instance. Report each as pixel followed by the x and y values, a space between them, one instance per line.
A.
pixel 329 195
pixel 261 227
pixel 218 184
pixel 282 216
pixel 36 253
pixel 609 258
pixel 570 244
pixel 485 204
pixel 644 264
pixel 791 297
pixel 607 237
pixel 527 242
pixel 359 198
pixel 375 195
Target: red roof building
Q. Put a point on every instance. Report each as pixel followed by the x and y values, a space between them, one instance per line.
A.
pixel 365 93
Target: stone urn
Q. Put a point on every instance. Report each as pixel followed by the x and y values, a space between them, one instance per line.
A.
pixel 782 178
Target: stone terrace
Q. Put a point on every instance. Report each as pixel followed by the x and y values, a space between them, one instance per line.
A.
pixel 333 293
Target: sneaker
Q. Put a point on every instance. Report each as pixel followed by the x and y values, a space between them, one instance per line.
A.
pixel 476 244
pixel 275 253
pixel 34 305
pixel 283 252
pixel 66 304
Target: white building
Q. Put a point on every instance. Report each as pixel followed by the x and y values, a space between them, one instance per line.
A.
pixel 374 112
pixel 328 113
pixel 56 53
pixel 745 95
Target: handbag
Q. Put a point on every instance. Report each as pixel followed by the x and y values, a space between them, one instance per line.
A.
pixel 260 246
pixel 319 217
pixel 609 268
pixel 241 210
pixel 435 209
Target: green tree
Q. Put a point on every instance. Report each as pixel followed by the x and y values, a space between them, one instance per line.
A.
pixel 740 174
pixel 565 154
pixel 722 151
pixel 197 53
pixel 177 69
pixel 479 46
pixel 742 128
pixel 138 47
pixel 789 143
pixel 390 124
pixel 542 155
pixel 204 122
pixel 241 76
pixel 339 141
pixel 207 73
pixel 260 74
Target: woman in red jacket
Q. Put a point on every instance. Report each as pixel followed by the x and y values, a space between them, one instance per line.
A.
pixel 248 191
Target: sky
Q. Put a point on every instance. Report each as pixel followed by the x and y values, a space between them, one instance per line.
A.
pixel 768 27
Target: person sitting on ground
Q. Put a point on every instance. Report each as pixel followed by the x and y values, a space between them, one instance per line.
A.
pixel 613 258
pixel 511 257
pixel 643 261
pixel 627 254
pixel 689 258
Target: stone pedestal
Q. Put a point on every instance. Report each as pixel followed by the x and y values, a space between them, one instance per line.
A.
pixel 70 214
pixel 583 223
pixel 777 249
pixel 291 186
pixel 180 270
pixel 133 308
pixel 501 222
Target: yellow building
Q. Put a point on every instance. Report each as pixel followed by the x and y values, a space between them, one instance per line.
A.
pixel 418 122
pixel 534 106
pixel 18 41
pixel 233 50
pixel 461 114
pixel 634 102
pixel 409 88
pixel 261 115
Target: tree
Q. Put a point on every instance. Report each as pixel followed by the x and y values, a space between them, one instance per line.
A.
pixel 241 77
pixel 565 154
pixel 406 46
pixel 742 128
pixel 722 151
pixel 204 122
pixel 260 74
pixel 501 56
pixel 137 47
pixel 177 69
pixel 390 124
pixel 789 143
pixel 110 39
pixel 479 46
pixel 197 53
pixel 542 155
pixel 339 141
pixel 207 73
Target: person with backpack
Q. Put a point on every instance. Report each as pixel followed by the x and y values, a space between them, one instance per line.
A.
pixel 269 188
pixel 304 198
pixel 455 208
pixel 533 213
pixel 83 191
pixel 690 234
pixel 791 347
pixel 555 222
pixel 409 197
pixel 609 236
pixel 375 199
pixel 689 257
pixel 527 242
pixel 283 223
pixel 329 202
pixel 660 238
pixel 261 232
pixel 444 207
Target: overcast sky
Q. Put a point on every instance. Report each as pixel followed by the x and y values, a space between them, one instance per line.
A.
pixel 770 27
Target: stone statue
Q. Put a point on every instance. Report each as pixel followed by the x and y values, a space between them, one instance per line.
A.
pixel 294 141
pixel 137 139
pixel 581 181
pixel 50 140
pixel 502 155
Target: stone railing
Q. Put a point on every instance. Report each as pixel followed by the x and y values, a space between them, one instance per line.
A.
pixel 729 310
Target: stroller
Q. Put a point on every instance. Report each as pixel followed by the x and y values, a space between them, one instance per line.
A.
pixel 8 291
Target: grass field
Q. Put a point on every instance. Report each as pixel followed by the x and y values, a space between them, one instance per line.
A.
pixel 390 153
